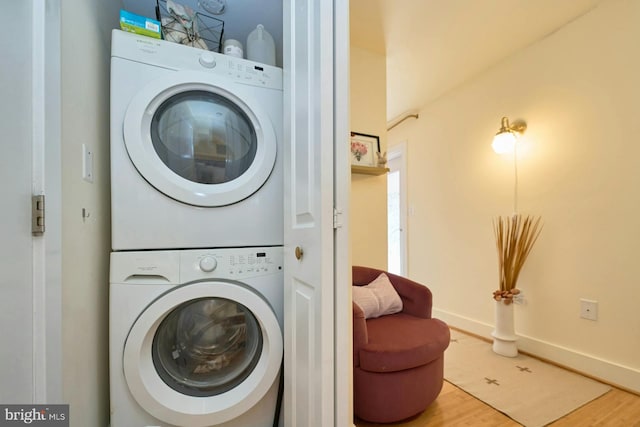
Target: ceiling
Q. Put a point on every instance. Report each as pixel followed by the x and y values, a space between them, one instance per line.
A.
pixel 433 46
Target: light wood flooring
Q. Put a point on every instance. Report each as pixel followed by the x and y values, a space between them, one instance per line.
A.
pixel 455 407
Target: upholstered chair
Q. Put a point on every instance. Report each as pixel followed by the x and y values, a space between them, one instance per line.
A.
pixel 398 359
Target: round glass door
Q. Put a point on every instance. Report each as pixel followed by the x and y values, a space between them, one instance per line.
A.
pixel 203 353
pixel 200 143
pixel 203 137
pixel 207 346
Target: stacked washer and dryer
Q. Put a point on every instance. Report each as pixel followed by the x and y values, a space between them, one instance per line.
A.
pixel 196 292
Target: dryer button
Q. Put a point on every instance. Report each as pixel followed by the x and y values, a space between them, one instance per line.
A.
pixel 207 60
pixel 208 264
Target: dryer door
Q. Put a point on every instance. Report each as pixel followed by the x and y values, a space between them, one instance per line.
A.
pixel 198 142
pixel 203 354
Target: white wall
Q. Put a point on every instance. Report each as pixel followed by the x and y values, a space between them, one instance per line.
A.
pixel 85 61
pixel 578 90
pixel 368 215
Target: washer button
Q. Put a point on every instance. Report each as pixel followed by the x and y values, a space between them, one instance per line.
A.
pixel 207 60
pixel 208 264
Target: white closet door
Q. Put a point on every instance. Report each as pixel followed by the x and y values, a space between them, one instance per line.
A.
pixel 16 291
pixel 309 201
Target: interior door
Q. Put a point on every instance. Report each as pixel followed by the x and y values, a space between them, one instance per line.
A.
pixel 30 285
pixel 16 293
pixel 397 210
pixel 309 398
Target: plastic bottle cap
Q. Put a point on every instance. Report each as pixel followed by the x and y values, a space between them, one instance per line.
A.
pixel 233 47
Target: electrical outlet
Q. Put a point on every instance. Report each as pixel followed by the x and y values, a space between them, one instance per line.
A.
pixel 588 309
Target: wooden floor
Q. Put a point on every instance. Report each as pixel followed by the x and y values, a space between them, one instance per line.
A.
pixel 455 407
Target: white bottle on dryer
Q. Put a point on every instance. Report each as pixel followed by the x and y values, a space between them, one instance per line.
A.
pixel 261 47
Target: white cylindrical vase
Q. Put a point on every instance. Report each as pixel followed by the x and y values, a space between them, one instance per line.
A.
pixel 504 336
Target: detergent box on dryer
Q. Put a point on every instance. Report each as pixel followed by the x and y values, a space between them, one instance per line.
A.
pixel 139 24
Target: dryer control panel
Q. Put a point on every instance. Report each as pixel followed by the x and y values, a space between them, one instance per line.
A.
pixel 178 57
pixel 249 72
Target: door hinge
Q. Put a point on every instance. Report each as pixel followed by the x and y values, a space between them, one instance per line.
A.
pixel 336 221
pixel 37 214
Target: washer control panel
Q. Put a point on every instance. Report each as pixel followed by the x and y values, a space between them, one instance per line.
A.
pixel 230 263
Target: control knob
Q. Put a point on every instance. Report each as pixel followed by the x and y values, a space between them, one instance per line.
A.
pixel 208 264
pixel 207 60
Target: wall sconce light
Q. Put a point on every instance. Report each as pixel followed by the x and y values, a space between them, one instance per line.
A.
pixel 505 139
pixel 505 142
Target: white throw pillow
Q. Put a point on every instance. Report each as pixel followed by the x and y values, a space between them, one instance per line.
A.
pixel 377 298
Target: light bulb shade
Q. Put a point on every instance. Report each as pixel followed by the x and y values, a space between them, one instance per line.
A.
pixel 504 142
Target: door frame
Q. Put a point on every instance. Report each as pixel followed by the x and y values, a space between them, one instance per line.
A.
pixel 47 179
pixel 343 322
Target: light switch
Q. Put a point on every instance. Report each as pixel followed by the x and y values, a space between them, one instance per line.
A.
pixel 87 163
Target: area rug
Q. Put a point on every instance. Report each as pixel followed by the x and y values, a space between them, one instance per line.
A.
pixel 529 391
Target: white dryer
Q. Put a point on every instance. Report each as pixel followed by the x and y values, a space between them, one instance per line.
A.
pixel 196 148
pixel 196 337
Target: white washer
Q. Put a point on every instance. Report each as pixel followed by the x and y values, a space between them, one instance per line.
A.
pixel 196 148
pixel 196 337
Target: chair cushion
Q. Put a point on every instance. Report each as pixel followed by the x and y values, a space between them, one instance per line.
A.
pixel 378 298
pixel 401 341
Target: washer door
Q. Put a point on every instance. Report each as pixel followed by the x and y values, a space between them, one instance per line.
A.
pixel 198 142
pixel 203 354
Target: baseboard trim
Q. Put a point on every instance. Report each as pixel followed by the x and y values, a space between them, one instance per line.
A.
pixel 616 375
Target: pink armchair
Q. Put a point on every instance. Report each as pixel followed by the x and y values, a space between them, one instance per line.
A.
pixel 398 359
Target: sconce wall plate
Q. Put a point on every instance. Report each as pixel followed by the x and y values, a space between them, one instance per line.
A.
pixel 519 126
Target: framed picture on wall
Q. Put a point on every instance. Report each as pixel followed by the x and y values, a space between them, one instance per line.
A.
pixel 364 149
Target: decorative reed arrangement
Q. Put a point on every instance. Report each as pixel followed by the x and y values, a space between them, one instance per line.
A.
pixel 515 237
